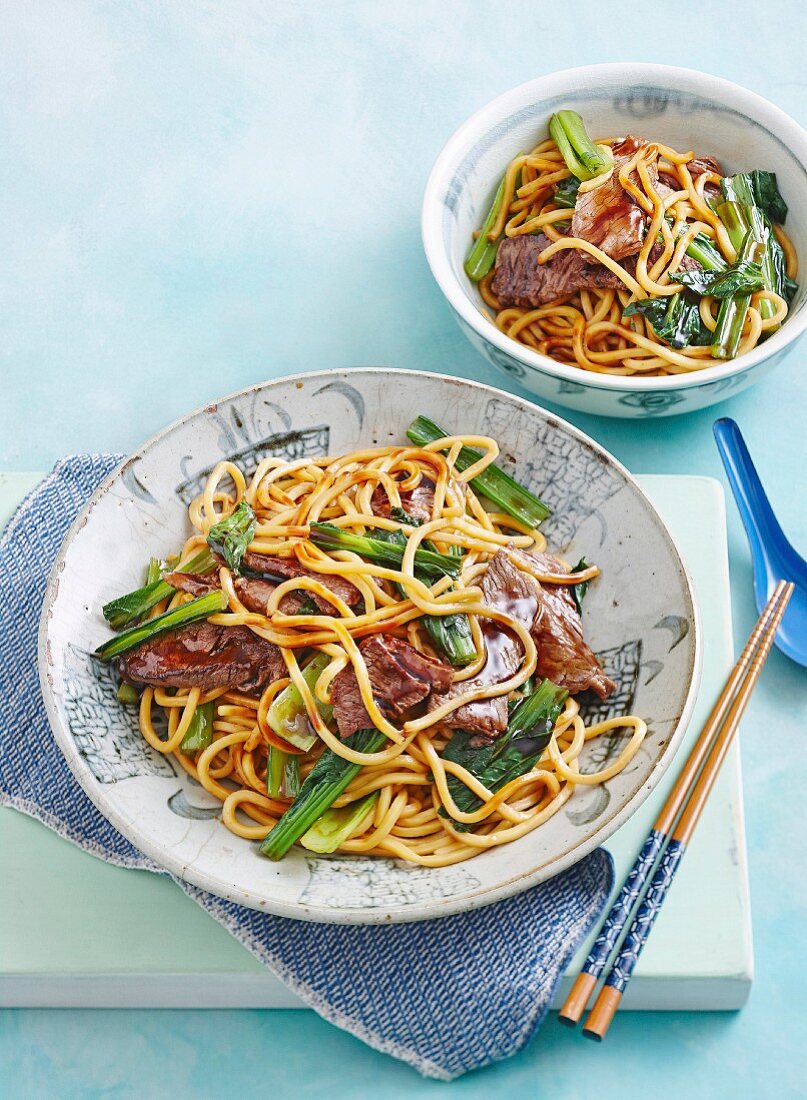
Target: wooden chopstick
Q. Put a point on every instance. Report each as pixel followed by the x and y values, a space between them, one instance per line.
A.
pixel 729 706
pixel 610 995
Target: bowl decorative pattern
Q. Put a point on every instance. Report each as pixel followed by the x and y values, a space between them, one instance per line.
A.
pixel 639 617
pixel 686 109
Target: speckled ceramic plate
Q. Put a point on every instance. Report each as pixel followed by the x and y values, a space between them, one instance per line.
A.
pixel 639 616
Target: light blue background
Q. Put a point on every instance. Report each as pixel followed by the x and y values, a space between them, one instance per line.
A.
pixel 197 196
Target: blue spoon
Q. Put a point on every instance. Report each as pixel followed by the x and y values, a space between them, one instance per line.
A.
pixel 773 556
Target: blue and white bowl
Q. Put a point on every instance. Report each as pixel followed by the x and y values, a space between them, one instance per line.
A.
pixel 686 109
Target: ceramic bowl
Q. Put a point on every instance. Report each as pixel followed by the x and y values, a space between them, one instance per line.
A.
pixel 639 616
pixel 686 109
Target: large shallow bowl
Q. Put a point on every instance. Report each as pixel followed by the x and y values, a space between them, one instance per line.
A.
pixel 686 109
pixel 639 617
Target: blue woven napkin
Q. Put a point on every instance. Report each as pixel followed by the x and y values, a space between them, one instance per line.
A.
pixel 447 996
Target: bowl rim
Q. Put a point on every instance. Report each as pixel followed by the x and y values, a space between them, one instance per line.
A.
pixel 421 911
pixel 777 122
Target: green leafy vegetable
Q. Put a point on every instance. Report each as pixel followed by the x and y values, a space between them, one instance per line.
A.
pixel 282 774
pixel 321 787
pixel 231 536
pixel 334 827
pixel 128 694
pixel 733 311
pixel 753 202
pixel 579 590
pixel 566 193
pixel 583 158
pixel 154 571
pixel 675 319
pixel 513 753
pixel 450 633
pixel 702 250
pixel 758 189
pixel 200 731
pixel 170 620
pixel 429 564
pixel 493 482
pixel 768 196
pixel 134 605
pixel 287 715
pixel 741 277
pixel 483 252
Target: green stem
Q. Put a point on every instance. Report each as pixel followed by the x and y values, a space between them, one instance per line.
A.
pixel 134 605
pixel 428 563
pixel 733 310
pixel 483 253
pixel 583 158
pixel 492 483
pixel 322 786
pixel 450 633
pixel 170 620
pixel 701 249
pixel 199 734
pixel 287 715
pixel 336 826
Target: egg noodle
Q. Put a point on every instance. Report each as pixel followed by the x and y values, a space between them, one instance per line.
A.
pixel 408 773
pixel 587 328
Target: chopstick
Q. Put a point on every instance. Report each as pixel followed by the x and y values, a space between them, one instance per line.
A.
pixel 668 840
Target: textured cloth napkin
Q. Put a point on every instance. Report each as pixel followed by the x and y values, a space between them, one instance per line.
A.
pixel 447 996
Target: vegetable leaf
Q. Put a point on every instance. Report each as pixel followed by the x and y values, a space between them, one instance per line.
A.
pixel 742 277
pixel 321 787
pixel 450 633
pixel 492 483
pixel 768 197
pixel 170 620
pixel 483 251
pixel 513 752
pixel 429 564
pixel 579 590
pixel 566 193
pixel 231 536
pixel 676 319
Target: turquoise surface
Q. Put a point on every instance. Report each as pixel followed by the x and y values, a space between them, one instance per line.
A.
pixel 198 196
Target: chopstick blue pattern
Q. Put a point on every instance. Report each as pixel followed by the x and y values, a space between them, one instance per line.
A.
pixel 639 931
pixel 620 911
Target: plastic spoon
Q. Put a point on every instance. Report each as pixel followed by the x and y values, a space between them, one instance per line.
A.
pixel 773 557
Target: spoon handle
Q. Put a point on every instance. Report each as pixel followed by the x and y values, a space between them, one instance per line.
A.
pixel 761 526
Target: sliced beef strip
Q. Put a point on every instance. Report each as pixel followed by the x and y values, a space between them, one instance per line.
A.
pixel 206 656
pixel 290 567
pixel 195 584
pixel 400 678
pixel 564 656
pixel 699 165
pixel 417 502
pixel 253 592
pixel 608 216
pixel 504 588
pixel 519 281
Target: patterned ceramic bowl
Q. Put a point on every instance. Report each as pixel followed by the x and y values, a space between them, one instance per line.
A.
pixel 684 108
pixel 639 617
